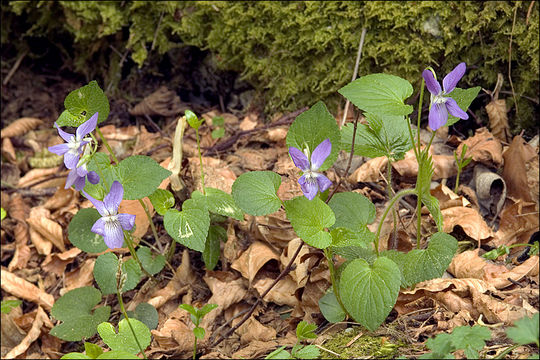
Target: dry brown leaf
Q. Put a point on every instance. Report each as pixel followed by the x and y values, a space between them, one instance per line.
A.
pixel 217 173
pixel 162 102
pixel 274 229
pixel 12 334
pixel 484 148
pixel 490 189
pixel 469 219
pixel 518 222
pixel 8 151
pixel 444 166
pixel 256 350
pixel 253 259
pixel 278 134
pixel 141 220
pixel 50 345
pixel 49 229
pixel 81 276
pixel 21 288
pixel 22 251
pixel 257 159
pixel 498 119
pixel 175 334
pixel 20 127
pixel 369 171
pixel 309 303
pixel 496 311
pixel 111 132
pixel 36 175
pixel 300 273
pixel 57 262
pixel 253 330
pixel 34 333
pixel 282 293
pixel 515 171
pixel 225 291
pixel 249 122
pixel 447 198
pixel 61 198
pixel 43 247
pixel 18 208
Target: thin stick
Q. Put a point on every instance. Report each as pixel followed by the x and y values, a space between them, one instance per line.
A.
pixel 510 59
pixel 15 67
pixel 355 73
pixel 260 299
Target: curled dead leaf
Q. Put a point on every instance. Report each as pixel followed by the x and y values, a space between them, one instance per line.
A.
pixel 498 119
pixel 22 251
pixel 83 275
pixel 43 247
pixel 61 198
pixel 57 262
pixel 39 221
pixel 249 122
pixel 23 289
pixel 162 102
pixel 469 219
pixel 484 148
pixel 9 151
pixel 253 259
pixel 135 208
pixel 36 175
pixel 20 127
pixel 282 293
pixel 490 189
pixel 34 333
pixel 496 311
pixel 515 170
pixel 300 270
pixel 518 222
pixel 217 173
pixel 369 171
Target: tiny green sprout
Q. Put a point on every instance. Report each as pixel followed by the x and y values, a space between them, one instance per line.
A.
pixel 193 120
pixel 8 305
pixel 196 316
pixel 504 249
pixel 461 162
pixel 304 331
pixel 4 213
pixel 219 128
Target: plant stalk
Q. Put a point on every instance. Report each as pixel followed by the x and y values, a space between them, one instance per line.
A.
pixel 200 160
pixel 152 226
pixel 123 310
pixel 329 256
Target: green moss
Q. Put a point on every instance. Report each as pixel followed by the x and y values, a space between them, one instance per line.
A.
pixel 365 346
pixel 299 52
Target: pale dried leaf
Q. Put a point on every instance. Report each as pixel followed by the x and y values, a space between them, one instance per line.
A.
pixel 81 276
pixel 253 259
pixel 22 251
pixel 36 175
pixel 163 102
pixel 225 291
pixel 370 171
pixel 300 273
pixel 278 134
pixel 446 196
pixel 515 171
pixel 33 334
pixel 134 207
pixel 253 330
pixel 174 334
pixel 249 122
pixel 518 222
pixel 111 132
pixel 61 198
pixel 9 151
pixel 20 127
pixel 490 189
pixel 484 148
pixel 23 289
pixel 49 229
pixel 18 208
pixel 43 247
pixel 498 119
pixel 496 311
pixel 217 173
pixel 57 262
pixel 469 219
pixel 282 293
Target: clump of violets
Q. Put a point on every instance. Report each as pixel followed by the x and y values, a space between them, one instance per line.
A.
pixel 311 182
pixel 72 150
pixel 441 104
pixel 111 224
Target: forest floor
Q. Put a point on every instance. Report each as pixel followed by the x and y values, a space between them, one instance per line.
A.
pixel 496 204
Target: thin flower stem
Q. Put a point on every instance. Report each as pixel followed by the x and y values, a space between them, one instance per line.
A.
pixel 171 251
pixel 106 145
pixel 129 243
pixel 418 221
pixel 152 226
pixel 412 137
pixel 391 193
pixel 200 161
pixel 390 205
pixel 123 310
pixel 506 352
pixel 195 349
pixel 329 259
pixel 420 102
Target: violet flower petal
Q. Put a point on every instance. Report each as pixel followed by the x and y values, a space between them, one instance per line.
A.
pixel 320 154
pixel 432 85
pixel 302 180
pixel 59 149
pixel 82 171
pixel 299 158
pixel 114 197
pixel 450 81
pixel 323 182
pixel 71 178
pixel 99 227
pixel 455 110
pixel 80 182
pixel 126 220
pixel 114 236
pixel 93 177
pixel 71 160
pixel 87 127
pixel 310 189
pixel 438 115
pixel 64 135
pixel 97 204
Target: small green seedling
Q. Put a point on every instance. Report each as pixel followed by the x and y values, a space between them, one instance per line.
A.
pixel 218 123
pixel 304 331
pixel 8 305
pixel 4 213
pixel 470 339
pixel 196 316
pixel 461 162
pixel 504 249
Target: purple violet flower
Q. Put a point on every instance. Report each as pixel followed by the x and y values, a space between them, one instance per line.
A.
pixel 111 224
pixel 78 175
pixel 440 104
pixel 311 181
pixel 73 147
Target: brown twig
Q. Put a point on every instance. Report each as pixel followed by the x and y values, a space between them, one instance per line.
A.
pixel 285 271
pixel 15 67
pixel 223 145
pixel 349 162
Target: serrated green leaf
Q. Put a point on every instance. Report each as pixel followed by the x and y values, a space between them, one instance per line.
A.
pixel 464 98
pixel 355 252
pixel 311 128
pixel 381 94
pixel 83 103
pixel 353 211
pixel 370 292
pixel 330 308
pixel 140 175
pixel 423 183
pixel 75 355
pixel 219 202
pixel 92 350
pixel 383 136
pixel 307 352
pixel 212 247
pixel 309 218
pixel 162 200
pixel 124 339
pixel 255 192
pixel 525 330
pixel 470 339
pixel 80 234
pixel 432 204
pixel 305 331
pixel 153 263
pixel 189 227
pixel 430 263
pixel 105 273
pixel 442 347
pixel 279 353
pixel 74 309
pixel 117 354
pixel 8 305
pixel 199 333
